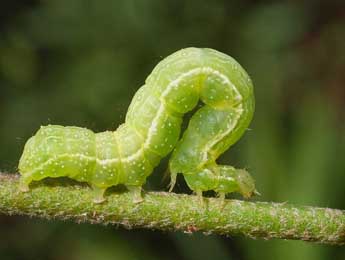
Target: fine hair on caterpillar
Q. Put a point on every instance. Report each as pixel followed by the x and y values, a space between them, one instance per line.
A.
pixel 152 130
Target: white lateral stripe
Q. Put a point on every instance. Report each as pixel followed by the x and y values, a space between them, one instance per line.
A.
pixel 77 156
pixel 209 145
pixel 153 127
pixel 175 82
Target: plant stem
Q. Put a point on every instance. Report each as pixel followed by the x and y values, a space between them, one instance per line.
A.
pixel 169 211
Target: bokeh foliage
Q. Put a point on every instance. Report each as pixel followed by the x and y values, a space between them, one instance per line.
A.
pixel 80 62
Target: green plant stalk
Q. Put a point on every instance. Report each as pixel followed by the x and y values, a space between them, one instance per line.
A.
pixel 169 211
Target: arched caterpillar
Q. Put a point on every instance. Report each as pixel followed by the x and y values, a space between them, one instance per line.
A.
pixel 152 129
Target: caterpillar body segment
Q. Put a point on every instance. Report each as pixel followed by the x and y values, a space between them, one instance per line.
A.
pixel 152 129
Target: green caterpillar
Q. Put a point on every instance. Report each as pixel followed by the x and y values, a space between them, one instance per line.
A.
pixel 152 129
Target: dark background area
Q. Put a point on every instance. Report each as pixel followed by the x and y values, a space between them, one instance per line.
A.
pixel 80 62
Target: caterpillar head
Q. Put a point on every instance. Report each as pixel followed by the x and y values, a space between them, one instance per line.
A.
pixel 245 183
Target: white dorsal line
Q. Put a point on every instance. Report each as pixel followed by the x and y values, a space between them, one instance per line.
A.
pixel 153 127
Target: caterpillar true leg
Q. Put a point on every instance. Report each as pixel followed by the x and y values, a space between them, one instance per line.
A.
pixel 211 131
pixel 172 183
pixel 200 197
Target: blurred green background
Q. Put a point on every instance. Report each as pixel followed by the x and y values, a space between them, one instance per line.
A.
pixel 80 62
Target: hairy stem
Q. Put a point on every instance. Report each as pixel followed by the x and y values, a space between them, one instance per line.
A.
pixel 169 211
